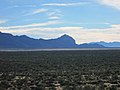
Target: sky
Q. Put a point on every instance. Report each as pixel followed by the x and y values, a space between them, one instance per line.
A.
pixel 84 20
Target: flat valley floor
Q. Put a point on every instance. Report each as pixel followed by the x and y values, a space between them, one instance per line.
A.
pixel 60 70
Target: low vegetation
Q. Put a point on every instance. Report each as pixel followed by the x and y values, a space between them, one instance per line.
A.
pixel 60 70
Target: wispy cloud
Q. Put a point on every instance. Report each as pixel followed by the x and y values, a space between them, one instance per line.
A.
pixel 33 25
pixel 54 17
pixel 112 3
pixel 3 21
pixel 37 11
pixel 102 23
pixel 65 4
pixel 19 6
pixel 54 14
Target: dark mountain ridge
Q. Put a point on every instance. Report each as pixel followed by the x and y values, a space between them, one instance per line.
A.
pixel 65 41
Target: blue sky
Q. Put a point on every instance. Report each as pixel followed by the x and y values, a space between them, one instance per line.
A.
pixel 84 20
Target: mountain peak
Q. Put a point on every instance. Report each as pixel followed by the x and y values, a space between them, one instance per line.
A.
pixel 65 36
pixel 5 34
pixel 24 36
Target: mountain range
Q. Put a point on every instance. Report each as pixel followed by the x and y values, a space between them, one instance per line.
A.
pixel 8 40
pixel 108 44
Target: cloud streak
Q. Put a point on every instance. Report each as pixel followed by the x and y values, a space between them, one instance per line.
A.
pixel 3 21
pixel 25 6
pixel 112 3
pixel 54 17
pixel 65 4
pixel 54 14
pixel 38 11
pixel 32 25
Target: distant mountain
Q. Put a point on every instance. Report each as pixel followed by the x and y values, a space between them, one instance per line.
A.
pixel 108 44
pixel 9 41
pixel 90 45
